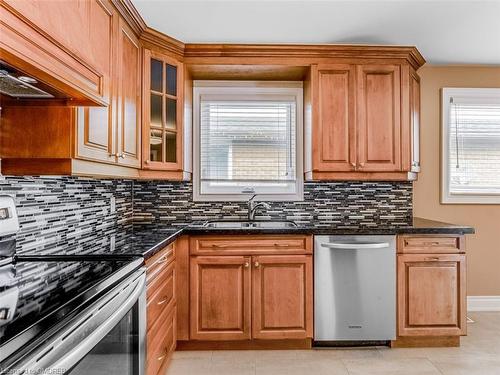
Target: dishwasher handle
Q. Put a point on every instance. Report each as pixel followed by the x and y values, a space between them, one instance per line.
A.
pixel 354 245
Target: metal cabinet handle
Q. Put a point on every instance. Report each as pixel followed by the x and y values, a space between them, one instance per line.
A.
pixel 160 358
pixel 163 259
pixel 218 246
pixel 348 246
pixel 162 301
pixel 147 161
pixel 433 243
pixel 281 245
pixel 361 165
pixel 121 156
pixel 256 264
pixel 432 258
pixel 353 165
pixel 247 264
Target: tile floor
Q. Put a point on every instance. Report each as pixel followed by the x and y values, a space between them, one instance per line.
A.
pixel 479 354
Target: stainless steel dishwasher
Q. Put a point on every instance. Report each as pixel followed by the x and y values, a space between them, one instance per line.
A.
pixel 354 289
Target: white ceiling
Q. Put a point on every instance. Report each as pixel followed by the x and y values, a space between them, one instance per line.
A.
pixel 445 32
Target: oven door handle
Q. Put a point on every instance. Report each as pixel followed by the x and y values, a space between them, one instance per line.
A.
pixel 71 358
pixel 57 356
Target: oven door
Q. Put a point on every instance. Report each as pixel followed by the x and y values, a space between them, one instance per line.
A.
pixel 106 338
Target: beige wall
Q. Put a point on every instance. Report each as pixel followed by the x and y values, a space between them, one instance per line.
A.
pixel 484 246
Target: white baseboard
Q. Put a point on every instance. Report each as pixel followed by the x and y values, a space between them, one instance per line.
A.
pixel 483 303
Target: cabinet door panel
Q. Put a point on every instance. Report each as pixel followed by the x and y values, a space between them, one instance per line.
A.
pixel 282 297
pixel 220 298
pixel 95 131
pixel 162 133
pixel 129 91
pixel 431 295
pixel 379 118
pixel 334 133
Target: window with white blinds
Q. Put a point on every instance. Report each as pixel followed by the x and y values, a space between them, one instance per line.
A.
pixel 471 145
pixel 246 141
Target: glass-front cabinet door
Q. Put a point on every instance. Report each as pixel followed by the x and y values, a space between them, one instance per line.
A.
pixel 163 87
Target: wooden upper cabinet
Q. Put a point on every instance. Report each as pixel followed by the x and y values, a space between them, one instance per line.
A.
pixel 220 298
pixel 112 134
pixel 128 97
pixel 365 122
pixel 163 112
pixel 282 297
pixel 334 136
pixel 73 56
pixel 379 118
pixel 431 295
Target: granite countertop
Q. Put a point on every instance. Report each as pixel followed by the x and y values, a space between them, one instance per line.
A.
pixel 145 240
pixel 152 238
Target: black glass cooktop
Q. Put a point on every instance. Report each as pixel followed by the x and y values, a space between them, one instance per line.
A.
pixel 36 295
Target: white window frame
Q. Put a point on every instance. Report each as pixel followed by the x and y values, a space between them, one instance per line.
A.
pixel 483 95
pixel 250 89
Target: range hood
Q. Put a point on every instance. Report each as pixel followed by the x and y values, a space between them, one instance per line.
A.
pixel 18 85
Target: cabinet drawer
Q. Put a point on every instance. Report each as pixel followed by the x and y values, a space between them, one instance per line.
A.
pixel 431 244
pixel 161 341
pixel 160 293
pixel 159 261
pixel 247 245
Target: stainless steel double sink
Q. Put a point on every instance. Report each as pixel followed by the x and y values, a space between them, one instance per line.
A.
pixel 257 224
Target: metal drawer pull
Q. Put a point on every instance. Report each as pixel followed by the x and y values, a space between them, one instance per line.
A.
pixel 160 358
pixel 219 246
pixel 163 301
pixel 431 243
pixel 247 264
pixel 349 246
pixel 281 245
pixel 164 258
pixel 432 258
pixel 256 264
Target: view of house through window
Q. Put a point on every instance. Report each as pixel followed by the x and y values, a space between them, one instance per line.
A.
pixel 247 142
pixel 471 129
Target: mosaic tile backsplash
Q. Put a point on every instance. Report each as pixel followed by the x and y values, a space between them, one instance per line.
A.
pixel 55 212
pixel 326 204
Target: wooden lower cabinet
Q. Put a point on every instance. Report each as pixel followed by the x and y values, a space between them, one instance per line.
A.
pixel 251 297
pixel 282 306
pixel 431 292
pixel 161 310
pixel 220 298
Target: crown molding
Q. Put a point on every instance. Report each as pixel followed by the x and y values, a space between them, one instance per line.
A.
pixel 128 11
pixel 409 53
pixel 163 41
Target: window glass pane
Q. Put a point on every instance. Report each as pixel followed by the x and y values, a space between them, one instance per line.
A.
pixel 156 110
pixel 171 113
pixel 249 142
pixel 171 148
pixel 156 75
pixel 474 144
pixel 156 145
pixel 171 80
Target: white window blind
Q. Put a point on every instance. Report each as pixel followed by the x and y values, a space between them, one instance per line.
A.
pixel 247 142
pixel 473 144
